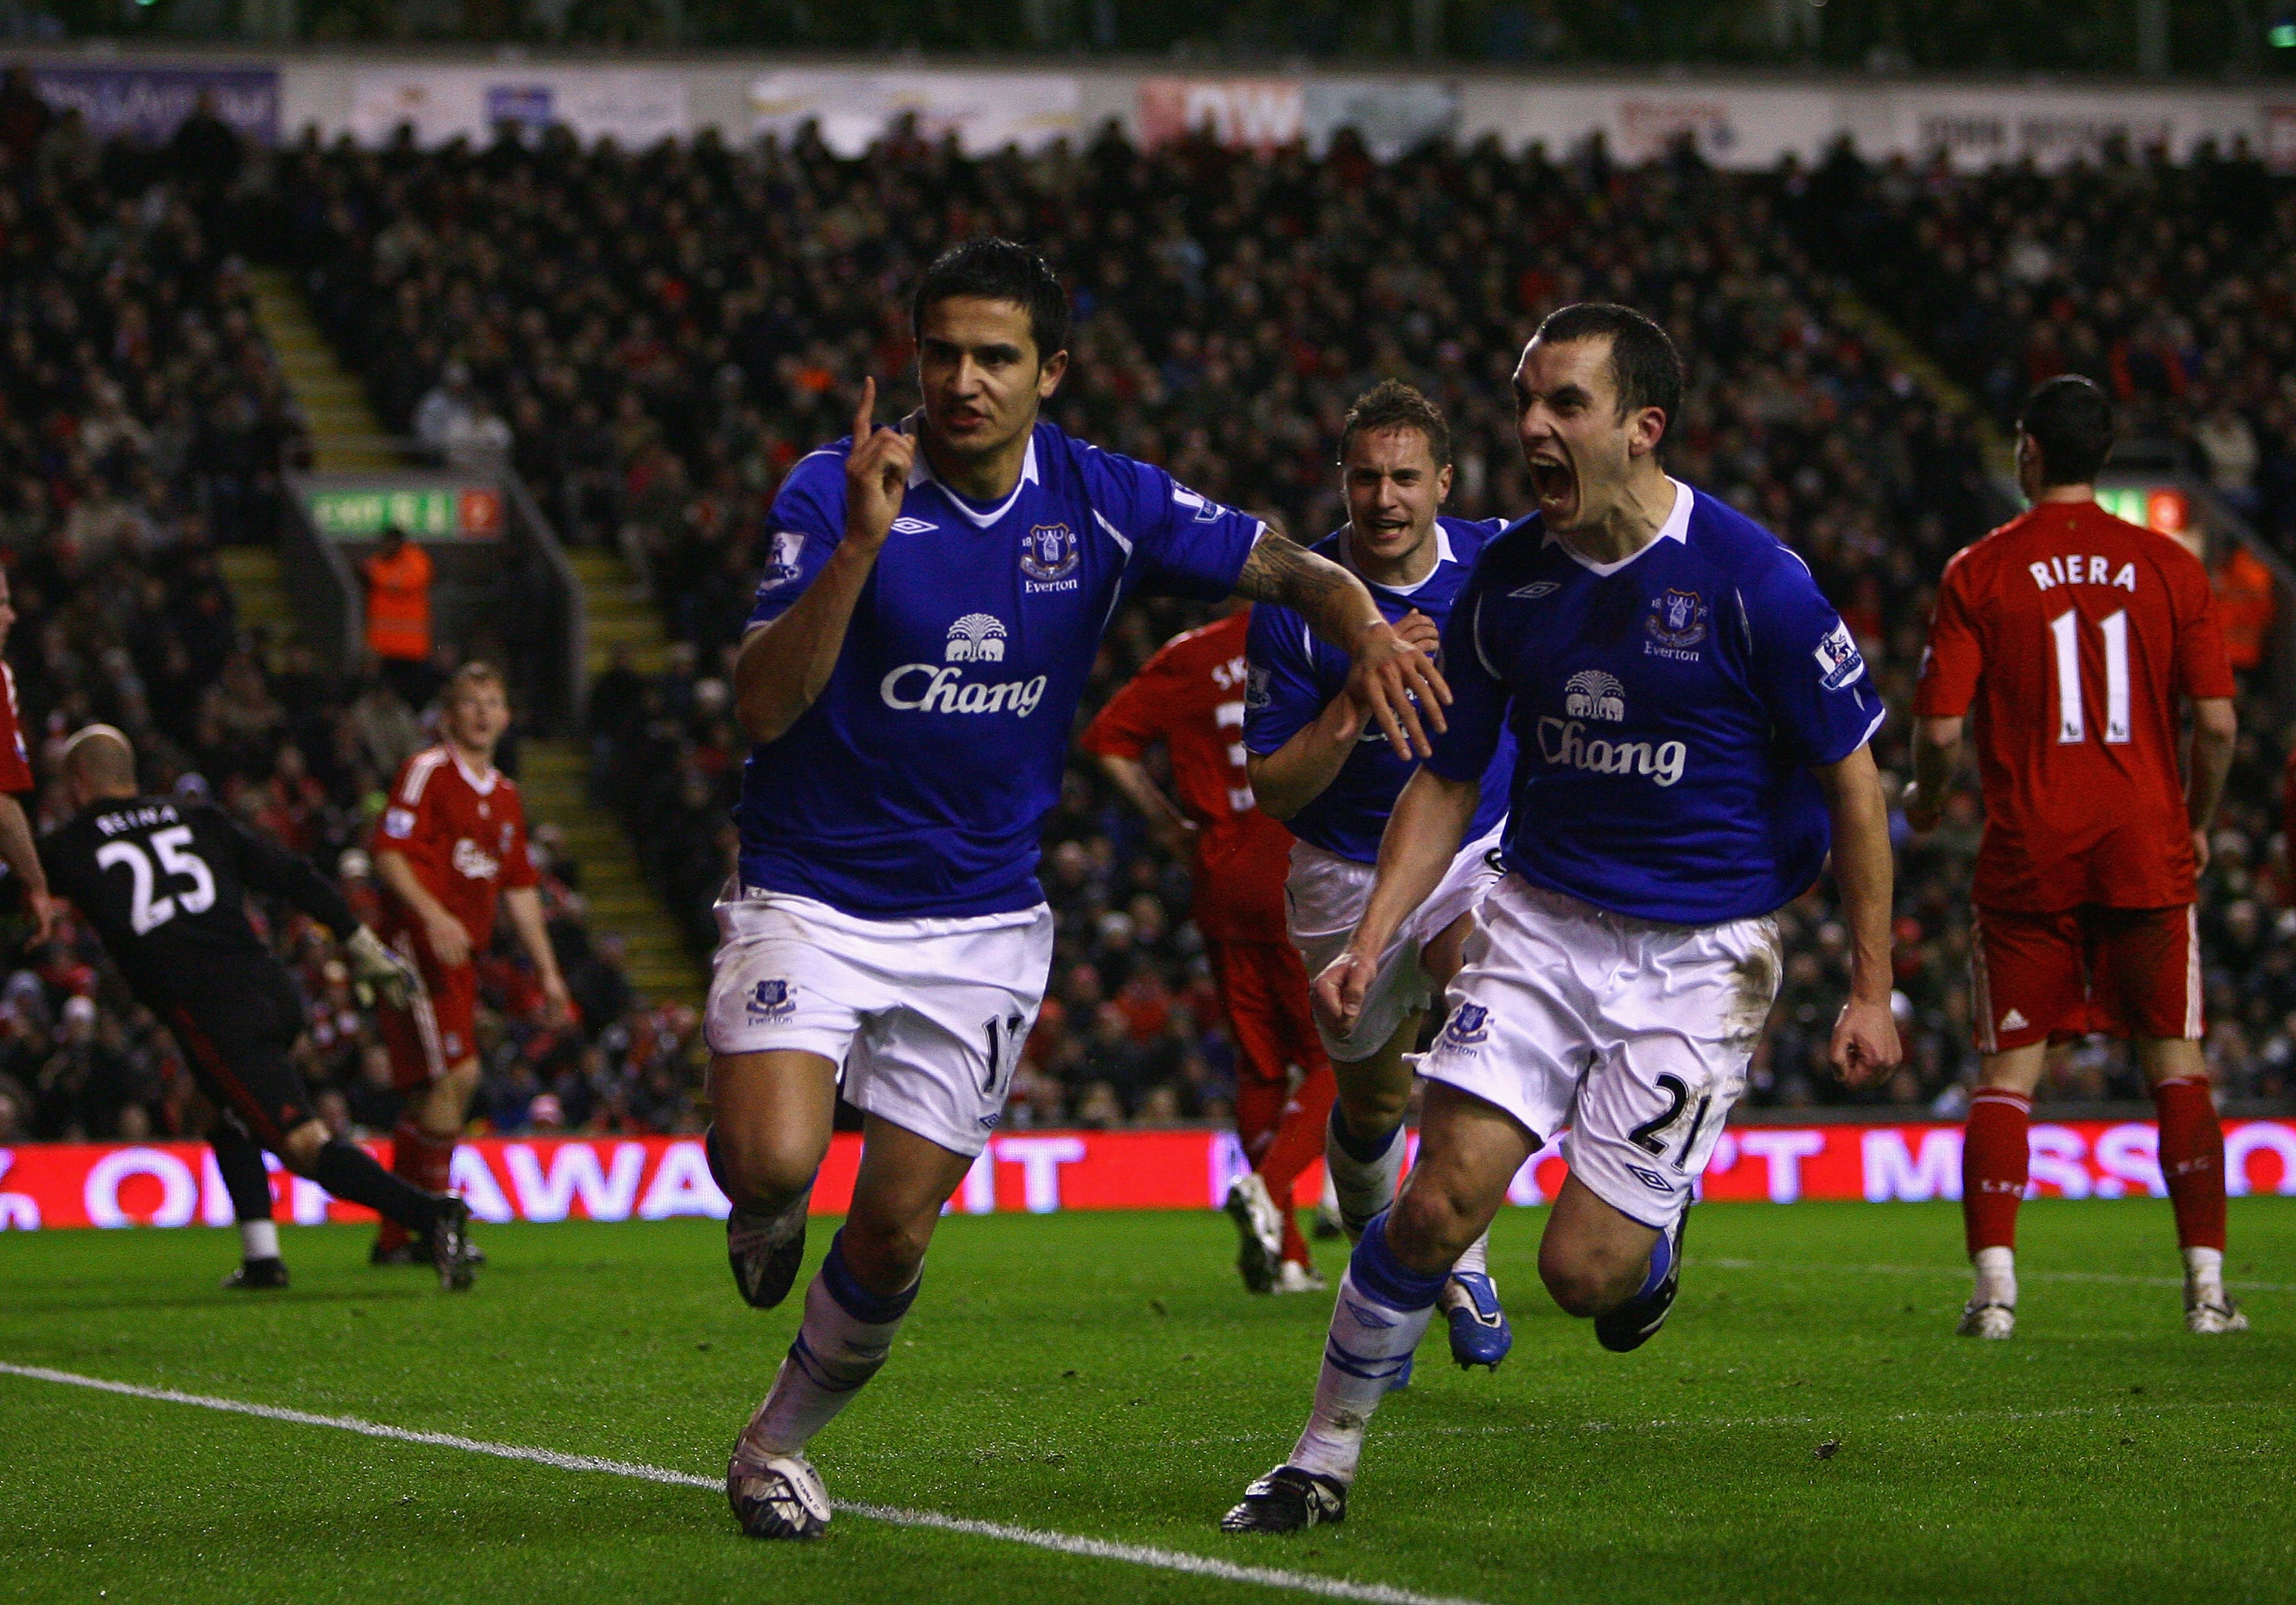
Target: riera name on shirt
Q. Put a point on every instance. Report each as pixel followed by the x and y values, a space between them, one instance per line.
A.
pixel 2078 570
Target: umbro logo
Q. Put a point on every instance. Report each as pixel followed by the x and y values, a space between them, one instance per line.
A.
pixel 2012 1021
pixel 1537 589
pixel 909 525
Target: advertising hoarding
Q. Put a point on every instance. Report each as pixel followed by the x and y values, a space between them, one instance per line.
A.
pixel 442 104
pixel 427 512
pixel 1389 115
pixel 147 103
pixel 56 1185
pixel 983 111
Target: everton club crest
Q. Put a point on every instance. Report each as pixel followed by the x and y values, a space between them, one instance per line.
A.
pixel 1676 624
pixel 1048 555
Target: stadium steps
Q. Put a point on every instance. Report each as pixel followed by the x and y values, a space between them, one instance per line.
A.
pixel 259 590
pixel 1885 337
pixel 554 775
pixel 346 436
pixel 617 612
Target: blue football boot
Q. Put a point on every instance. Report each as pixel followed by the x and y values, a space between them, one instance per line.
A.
pixel 1480 1334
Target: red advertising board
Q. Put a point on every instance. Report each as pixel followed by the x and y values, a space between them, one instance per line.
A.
pixel 654 1178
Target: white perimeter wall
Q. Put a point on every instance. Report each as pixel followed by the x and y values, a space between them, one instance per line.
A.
pixel 1737 121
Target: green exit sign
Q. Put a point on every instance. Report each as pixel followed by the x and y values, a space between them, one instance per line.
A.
pixel 426 512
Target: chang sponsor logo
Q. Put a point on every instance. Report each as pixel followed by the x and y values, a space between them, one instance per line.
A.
pixel 976 638
pixel 1563 743
pixel 1593 694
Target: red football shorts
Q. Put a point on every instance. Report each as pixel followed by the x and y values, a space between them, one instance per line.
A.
pixel 434 1033
pixel 1264 987
pixel 2123 972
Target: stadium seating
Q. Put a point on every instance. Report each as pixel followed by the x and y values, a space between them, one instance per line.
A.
pixel 145 425
pixel 2172 286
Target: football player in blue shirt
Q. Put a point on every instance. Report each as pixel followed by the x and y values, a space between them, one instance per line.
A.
pixel 1319 765
pixel 1692 720
pixel 930 608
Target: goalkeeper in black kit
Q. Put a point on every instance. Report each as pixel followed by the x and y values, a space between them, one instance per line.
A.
pixel 164 883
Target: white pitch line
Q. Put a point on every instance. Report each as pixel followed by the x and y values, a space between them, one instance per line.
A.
pixel 1961 1273
pixel 1066 1544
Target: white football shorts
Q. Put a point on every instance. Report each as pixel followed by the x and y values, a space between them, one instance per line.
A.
pixel 925 1018
pixel 1633 1034
pixel 1323 897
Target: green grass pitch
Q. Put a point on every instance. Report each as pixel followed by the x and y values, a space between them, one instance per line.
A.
pixel 1104 1375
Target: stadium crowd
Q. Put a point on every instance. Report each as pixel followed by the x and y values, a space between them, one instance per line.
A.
pixel 2172 286
pixel 661 335
pixel 143 423
pixel 667 332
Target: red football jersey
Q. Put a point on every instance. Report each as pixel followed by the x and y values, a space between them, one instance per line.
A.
pixel 463 836
pixel 15 761
pixel 1190 696
pixel 2073 634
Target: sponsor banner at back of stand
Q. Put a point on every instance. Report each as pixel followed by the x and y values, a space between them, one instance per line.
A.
pixel 1390 116
pixel 982 112
pixel 148 103
pixel 51 1185
pixel 439 104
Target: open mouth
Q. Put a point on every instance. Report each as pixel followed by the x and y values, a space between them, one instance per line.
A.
pixel 1555 485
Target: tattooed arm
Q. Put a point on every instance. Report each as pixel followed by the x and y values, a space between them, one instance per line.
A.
pixel 1392 678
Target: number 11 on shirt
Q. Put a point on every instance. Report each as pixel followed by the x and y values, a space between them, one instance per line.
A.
pixel 2072 722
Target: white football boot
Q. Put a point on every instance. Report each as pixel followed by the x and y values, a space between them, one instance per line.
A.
pixel 775 1495
pixel 2213 1312
pixel 1987 1321
pixel 1259 1231
pixel 1292 1277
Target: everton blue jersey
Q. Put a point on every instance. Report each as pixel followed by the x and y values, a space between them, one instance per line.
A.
pixel 1295 675
pixel 1667 710
pixel 916 785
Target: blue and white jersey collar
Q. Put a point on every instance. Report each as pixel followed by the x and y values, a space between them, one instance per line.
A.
pixel 1676 527
pixel 1443 556
pixel 920 473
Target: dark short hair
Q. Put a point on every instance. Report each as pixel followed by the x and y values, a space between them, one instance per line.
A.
pixel 2071 420
pixel 1393 404
pixel 1644 366
pixel 997 270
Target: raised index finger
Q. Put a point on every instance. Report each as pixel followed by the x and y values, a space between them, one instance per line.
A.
pixel 865 415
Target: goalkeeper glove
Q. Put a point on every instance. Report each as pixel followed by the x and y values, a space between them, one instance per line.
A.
pixel 377 972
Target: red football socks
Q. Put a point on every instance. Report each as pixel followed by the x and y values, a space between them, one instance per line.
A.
pixel 2192 1160
pixel 1993 1160
pixel 1299 1144
pixel 1258 1111
pixel 418 1157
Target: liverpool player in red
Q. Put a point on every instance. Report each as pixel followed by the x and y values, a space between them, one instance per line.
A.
pixel 16 848
pixel 1190 697
pixel 452 840
pixel 2070 638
